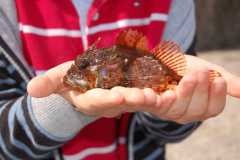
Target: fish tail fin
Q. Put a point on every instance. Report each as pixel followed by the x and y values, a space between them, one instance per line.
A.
pixel 169 53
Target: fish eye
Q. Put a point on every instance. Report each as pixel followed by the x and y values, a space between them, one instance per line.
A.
pixel 83 63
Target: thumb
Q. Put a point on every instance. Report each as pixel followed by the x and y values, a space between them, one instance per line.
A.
pixel 233 81
pixel 50 82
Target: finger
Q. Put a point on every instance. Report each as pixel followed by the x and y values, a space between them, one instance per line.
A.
pixel 233 85
pixel 163 104
pixel 150 97
pixel 150 100
pixel 95 100
pixel 104 97
pixel 233 82
pixel 184 93
pixel 217 98
pixel 199 101
pixel 50 82
pixel 134 98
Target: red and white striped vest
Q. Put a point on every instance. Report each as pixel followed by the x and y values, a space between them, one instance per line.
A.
pixel 51 35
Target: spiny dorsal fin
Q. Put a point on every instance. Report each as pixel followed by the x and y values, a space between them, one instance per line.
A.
pixel 94 45
pixel 170 55
pixel 133 39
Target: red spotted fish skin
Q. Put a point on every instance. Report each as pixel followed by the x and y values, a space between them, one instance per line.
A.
pixel 147 72
pixel 129 63
pixel 119 66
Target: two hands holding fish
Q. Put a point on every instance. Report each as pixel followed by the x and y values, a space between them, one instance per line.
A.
pixel 195 98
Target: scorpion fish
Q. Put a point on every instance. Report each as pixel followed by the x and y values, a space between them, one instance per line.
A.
pixel 128 63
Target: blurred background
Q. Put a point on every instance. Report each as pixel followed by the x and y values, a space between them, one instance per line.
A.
pixel 218 24
pixel 218 42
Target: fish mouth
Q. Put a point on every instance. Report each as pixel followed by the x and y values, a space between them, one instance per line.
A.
pixel 76 82
pixel 81 82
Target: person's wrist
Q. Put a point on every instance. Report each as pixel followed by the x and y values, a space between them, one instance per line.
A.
pixel 56 115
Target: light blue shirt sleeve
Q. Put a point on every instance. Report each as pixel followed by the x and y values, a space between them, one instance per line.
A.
pixel 181 25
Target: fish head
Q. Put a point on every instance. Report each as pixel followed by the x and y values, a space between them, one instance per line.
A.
pixel 96 68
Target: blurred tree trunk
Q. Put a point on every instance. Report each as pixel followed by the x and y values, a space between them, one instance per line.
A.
pixel 218 24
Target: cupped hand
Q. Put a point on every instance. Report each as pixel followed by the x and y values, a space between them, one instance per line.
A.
pixel 196 99
pixel 96 102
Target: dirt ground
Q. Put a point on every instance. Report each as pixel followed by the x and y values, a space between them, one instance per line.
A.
pixel 218 138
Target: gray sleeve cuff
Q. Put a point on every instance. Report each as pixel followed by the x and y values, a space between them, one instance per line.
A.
pixel 57 116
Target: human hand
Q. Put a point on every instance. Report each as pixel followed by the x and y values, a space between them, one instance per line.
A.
pixel 195 99
pixel 96 102
pixel 233 81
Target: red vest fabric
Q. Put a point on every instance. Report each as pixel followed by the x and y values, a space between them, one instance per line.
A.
pixel 51 35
